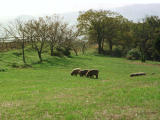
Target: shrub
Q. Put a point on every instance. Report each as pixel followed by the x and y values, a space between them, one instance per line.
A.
pixel 58 53
pixel 67 52
pixel 3 70
pixel 62 52
pixel 26 66
pixel 117 52
pixel 15 65
pixel 133 54
pixel 59 49
pixel 17 54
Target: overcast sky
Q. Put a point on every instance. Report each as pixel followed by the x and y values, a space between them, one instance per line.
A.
pixel 38 7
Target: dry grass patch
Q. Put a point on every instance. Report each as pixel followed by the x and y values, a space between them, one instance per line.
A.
pixel 126 113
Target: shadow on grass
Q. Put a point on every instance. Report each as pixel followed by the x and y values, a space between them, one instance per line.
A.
pixel 63 62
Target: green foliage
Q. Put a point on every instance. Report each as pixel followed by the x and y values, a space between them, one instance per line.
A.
pixel 99 25
pixel 62 52
pixel 157 44
pixel 133 54
pixel 67 52
pixel 117 52
pixel 58 53
pixel 145 34
pixel 17 54
pixel 15 65
pixel 109 29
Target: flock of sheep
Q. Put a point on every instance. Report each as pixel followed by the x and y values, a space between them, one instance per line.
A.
pixel 87 73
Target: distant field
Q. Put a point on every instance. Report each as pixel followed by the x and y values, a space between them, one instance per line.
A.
pixel 47 91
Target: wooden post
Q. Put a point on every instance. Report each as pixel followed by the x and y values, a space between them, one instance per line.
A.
pixel 137 74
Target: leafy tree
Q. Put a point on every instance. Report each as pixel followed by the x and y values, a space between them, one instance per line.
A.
pixel 111 31
pixel 93 23
pixel 146 33
pixel 125 35
pixel 157 44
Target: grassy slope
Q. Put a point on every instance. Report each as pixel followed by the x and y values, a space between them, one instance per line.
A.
pixel 47 91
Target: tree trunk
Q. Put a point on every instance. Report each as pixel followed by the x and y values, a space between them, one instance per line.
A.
pixel 99 47
pixel 99 41
pixel 51 50
pixel 40 56
pixel 143 57
pixel 110 46
pixel 83 48
pixel 142 50
pixel 24 61
pixel 23 45
pixel 75 51
pixel 103 44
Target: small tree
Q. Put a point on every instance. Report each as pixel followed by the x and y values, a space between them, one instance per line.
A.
pixel 37 33
pixel 54 26
pixel 71 39
pixel 17 31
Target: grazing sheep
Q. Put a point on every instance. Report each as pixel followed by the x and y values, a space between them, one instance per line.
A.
pixel 83 72
pixel 75 71
pixel 91 73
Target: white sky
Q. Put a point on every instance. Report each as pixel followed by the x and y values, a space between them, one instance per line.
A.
pixel 38 7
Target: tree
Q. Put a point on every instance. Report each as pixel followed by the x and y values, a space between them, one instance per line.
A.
pixel 17 31
pixel 157 44
pixel 54 25
pixel 112 25
pixel 146 33
pixel 37 33
pixel 71 39
pixel 93 23
pixel 125 35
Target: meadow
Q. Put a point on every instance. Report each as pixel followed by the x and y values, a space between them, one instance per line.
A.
pixel 47 91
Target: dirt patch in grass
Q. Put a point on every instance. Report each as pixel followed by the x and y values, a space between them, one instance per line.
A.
pixel 10 104
pixel 127 113
pixel 47 115
pixel 140 63
pixel 105 80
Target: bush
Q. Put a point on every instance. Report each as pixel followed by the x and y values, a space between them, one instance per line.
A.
pixel 26 66
pixel 117 52
pixel 59 49
pixel 15 65
pixel 58 53
pixel 63 52
pixel 67 52
pixel 3 70
pixel 17 54
pixel 133 54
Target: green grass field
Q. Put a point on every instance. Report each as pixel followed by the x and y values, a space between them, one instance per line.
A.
pixel 47 91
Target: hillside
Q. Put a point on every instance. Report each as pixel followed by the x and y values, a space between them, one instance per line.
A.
pixel 48 91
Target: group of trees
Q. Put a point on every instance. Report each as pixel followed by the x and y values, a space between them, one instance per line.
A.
pixel 109 29
pixel 49 31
